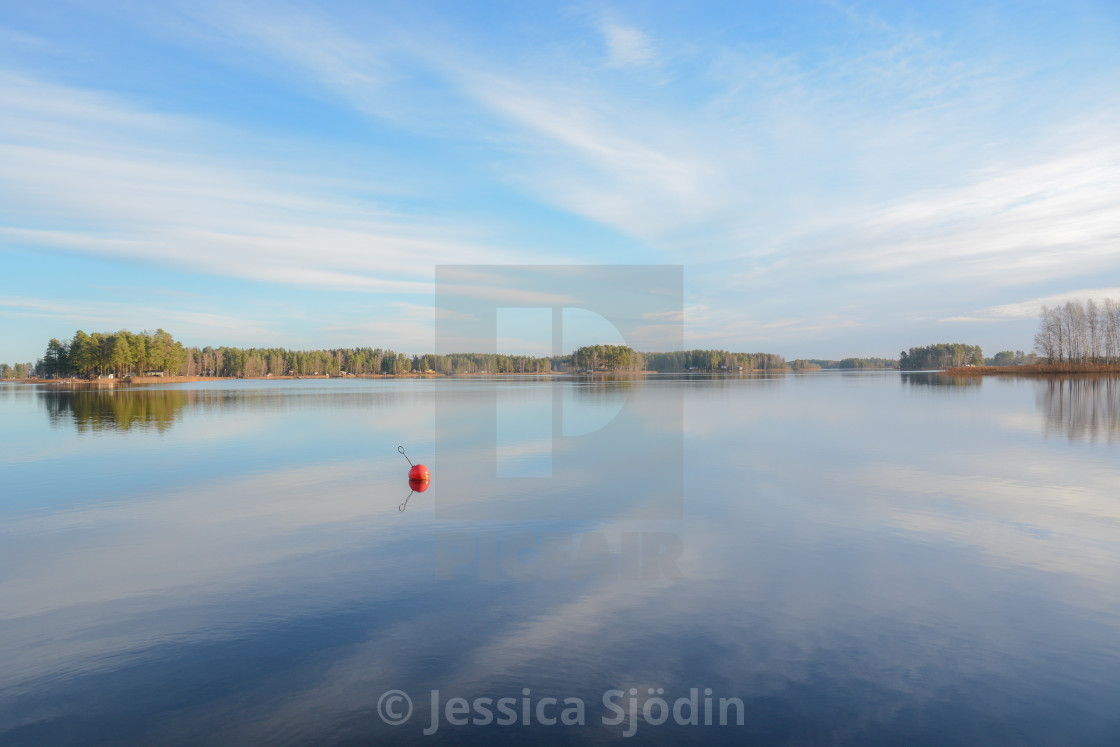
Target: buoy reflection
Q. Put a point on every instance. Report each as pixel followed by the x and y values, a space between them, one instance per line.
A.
pixel 418 486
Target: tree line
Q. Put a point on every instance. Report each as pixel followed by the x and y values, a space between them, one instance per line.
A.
pixel 1011 358
pixel 815 364
pixel 252 362
pixel 940 355
pixel 18 371
pixel 124 353
pixel 712 360
pixel 1075 332
pixel 1080 333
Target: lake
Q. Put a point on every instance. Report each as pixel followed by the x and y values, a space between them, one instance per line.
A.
pixel 863 558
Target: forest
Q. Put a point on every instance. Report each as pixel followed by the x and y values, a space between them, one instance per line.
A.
pixel 624 358
pixel 123 353
pixel 116 353
pixel 713 360
pixel 855 364
pixel 18 371
pixel 940 355
pixel 1011 358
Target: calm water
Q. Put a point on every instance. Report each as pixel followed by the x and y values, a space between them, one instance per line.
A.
pixel 869 558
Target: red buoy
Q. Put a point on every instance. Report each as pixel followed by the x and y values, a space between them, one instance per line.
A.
pixel 418 472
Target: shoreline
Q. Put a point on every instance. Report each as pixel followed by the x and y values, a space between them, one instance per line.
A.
pixel 74 383
pixel 1035 369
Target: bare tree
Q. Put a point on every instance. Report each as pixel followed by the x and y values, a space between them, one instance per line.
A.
pixel 1093 331
pixel 1046 339
pixel 1073 316
pixel 1061 336
pixel 1111 335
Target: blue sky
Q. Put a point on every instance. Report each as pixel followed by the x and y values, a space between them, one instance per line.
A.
pixel 836 178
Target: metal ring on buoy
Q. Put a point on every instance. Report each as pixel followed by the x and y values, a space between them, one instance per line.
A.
pixel 418 472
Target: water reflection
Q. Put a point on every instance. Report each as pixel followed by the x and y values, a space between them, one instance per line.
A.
pixel 91 411
pixel 1082 408
pixel 861 563
pixel 161 409
pixel 938 380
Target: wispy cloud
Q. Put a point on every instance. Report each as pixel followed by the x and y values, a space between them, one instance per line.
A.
pixel 626 45
pixel 1030 309
pixel 89 174
pixel 136 316
pixel 311 46
pixel 1014 225
pixel 775 147
pixel 707 326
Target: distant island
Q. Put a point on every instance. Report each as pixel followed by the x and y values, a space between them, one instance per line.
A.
pixel 846 364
